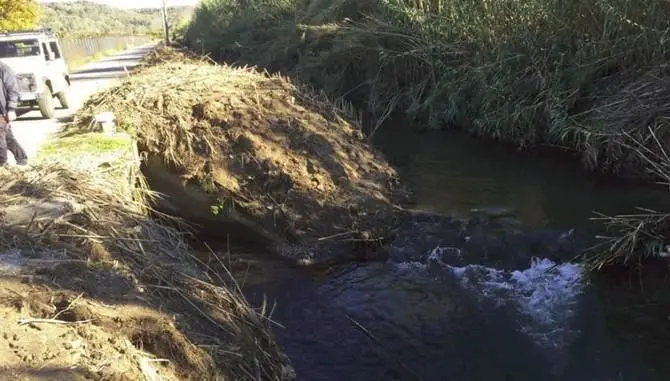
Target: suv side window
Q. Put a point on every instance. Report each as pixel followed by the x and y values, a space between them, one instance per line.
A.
pixel 54 49
pixel 45 50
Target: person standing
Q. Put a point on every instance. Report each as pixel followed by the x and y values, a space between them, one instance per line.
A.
pixel 9 99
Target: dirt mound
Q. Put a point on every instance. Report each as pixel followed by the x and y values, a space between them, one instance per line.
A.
pixel 84 273
pixel 285 158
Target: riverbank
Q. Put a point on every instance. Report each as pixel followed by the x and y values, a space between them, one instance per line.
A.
pixel 93 287
pixel 254 159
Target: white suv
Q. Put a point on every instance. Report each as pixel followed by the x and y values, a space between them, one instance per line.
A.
pixel 37 59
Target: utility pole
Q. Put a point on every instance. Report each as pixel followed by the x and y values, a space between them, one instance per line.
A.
pixel 166 30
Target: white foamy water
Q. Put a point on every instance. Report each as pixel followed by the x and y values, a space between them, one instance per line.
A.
pixel 545 295
pixel 15 262
pixel 11 262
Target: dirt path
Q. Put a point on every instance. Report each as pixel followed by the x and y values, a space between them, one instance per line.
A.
pixel 32 130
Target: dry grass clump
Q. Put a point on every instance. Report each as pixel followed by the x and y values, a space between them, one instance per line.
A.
pixel 625 126
pixel 635 238
pixel 284 156
pixel 168 54
pixel 101 242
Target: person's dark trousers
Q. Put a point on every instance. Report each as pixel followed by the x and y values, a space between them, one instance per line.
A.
pixel 8 142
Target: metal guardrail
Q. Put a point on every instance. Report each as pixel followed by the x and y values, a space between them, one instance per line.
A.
pixel 82 49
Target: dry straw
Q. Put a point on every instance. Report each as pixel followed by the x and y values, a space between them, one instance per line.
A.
pixel 94 213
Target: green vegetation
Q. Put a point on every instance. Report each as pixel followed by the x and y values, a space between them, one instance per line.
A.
pixel 572 73
pixel 74 147
pixel 18 14
pixel 84 18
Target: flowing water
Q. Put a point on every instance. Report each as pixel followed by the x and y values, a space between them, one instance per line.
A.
pixel 434 312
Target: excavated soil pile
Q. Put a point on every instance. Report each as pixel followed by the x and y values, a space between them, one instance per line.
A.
pixel 285 159
pixel 91 288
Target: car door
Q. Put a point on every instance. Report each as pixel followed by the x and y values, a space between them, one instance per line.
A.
pixel 53 72
pixel 59 60
pixel 49 67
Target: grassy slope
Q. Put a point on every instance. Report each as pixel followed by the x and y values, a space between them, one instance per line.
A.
pixel 572 73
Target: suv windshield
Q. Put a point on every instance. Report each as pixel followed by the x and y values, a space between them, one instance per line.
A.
pixel 19 48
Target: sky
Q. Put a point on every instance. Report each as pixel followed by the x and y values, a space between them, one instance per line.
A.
pixel 131 3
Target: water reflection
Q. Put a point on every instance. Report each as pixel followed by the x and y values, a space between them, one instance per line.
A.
pixel 452 173
pixel 376 322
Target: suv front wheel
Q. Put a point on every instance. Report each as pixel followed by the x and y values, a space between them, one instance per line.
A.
pixel 46 103
pixel 64 97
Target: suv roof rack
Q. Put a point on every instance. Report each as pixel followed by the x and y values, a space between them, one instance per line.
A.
pixel 47 31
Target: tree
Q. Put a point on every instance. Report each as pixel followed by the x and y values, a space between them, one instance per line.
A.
pixel 85 18
pixel 18 14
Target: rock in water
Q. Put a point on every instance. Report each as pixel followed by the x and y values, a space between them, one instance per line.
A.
pixel 477 241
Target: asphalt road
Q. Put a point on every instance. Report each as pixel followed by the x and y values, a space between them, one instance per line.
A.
pixel 31 130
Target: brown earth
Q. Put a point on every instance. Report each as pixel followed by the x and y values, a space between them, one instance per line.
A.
pixel 51 335
pixel 264 150
pixel 91 288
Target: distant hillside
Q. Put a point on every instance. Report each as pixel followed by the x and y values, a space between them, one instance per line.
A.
pixel 84 18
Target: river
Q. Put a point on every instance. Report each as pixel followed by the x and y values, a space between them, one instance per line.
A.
pixel 428 313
